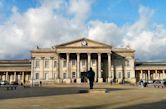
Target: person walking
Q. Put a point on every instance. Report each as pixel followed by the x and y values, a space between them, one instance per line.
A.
pixel 90 76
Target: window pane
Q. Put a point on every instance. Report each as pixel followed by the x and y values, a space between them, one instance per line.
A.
pixel 73 74
pixel 128 74
pixel 127 63
pixel 37 63
pixel 46 76
pixel 37 76
pixel 46 63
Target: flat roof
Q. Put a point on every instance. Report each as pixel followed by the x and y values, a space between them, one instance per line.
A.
pixel 15 63
pixel 150 63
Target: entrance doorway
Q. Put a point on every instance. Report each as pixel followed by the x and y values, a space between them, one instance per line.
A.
pixel 84 78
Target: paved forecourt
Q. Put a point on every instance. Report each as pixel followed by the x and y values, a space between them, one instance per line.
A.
pixel 67 96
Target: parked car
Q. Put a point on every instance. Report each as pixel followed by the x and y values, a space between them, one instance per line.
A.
pixel 159 84
pixel 4 82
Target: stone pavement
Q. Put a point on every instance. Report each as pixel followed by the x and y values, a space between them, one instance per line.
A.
pixel 67 96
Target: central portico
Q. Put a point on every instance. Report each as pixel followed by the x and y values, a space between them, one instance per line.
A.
pixel 78 56
pixel 69 62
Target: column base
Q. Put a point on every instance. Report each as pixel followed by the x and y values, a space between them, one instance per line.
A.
pixel 67 81
pixel 110 80
pixel 100 80
pixel 78 80
pixel 58 80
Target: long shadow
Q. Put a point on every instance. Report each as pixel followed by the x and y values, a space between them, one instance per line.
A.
pixel 38 92
pixel 154 105
pixel 46 91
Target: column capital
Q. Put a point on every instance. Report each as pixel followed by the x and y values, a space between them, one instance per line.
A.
pixel 109 53
pixel 99 54
pixel 51 57
pixel 42 57
pixel 32 58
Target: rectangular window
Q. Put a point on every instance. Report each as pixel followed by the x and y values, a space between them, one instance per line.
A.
pixel 64 63
pixel 73 62
pixel 46 76
pixel 127 63
pixel 55 64
pixel 64 75
pixel 128 74
pixel 73 74
pixel 83 62
pixel 119 74
pixel 37 64
pixel 46 64
pixel 36 75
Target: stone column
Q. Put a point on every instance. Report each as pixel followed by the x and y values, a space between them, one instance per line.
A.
pixel 78 68
pixel 162 74
pixel 3 76
pixel 141 75
pixel 100 79
pixel 41 75
pixel 15 76
pixel 23 77
pixel 7 76
pixel 109 68
pixel 32 69
pixel 58 77
pixel 67 68
pixel 155 74
pixel 51 68
pixel 148 74
pixel 89 61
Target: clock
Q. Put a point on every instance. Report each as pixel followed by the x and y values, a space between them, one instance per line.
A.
pixel 84 43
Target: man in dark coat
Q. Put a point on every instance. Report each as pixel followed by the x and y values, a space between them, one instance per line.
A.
pixel 91 76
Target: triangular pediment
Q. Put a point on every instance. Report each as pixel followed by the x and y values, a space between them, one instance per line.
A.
pixel 84 42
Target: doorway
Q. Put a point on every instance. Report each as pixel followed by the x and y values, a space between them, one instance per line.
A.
pixel 84 78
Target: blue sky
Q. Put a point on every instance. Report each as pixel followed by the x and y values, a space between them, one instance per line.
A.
pixel 135 23
pixel 118 11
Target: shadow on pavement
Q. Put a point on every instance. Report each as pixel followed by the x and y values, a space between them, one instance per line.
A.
pixel 38 92
pixel 154 105
pixel 46 91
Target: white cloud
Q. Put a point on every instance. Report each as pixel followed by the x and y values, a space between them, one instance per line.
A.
pixel 147 39
pixel 45 26
pixel 80 8
pixel 58 21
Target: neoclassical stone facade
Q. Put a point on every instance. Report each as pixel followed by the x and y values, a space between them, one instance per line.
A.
pixel 150 70
pixel 69 62
pixel 15 70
